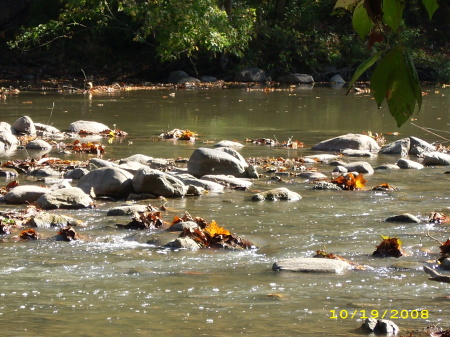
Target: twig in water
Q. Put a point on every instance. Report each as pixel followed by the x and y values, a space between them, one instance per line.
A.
pixel 51 113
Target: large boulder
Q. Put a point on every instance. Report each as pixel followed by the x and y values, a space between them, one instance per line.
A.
pixel 296 79
pixel 281 193
pixel 87 127
pixel 250 75
pixel 68 198
pixel 312 265
pixel 158 183
pixel 205 161
pixel 436 158
pixel 24 125
pixel 107 181
pixel 410 145
pixel 25 194
pixel 348 141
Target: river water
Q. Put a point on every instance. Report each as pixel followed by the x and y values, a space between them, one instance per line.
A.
pixel 120 282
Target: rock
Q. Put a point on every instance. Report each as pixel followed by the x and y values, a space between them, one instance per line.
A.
pixel 409 164
pixel 228 143
pixel 340 169
pixel 276 194
pixel 47 220
pixel 160 163
pixel 96 163
pixel 139 158
pixel 312 175
pixel 180 226
pixel 87 126
pixel 419 146
pixel 6 127
pixel 45 172
pixel 360 167
pixel 58 184
pixel 76 173
pixel 348 141
pixel 380 327
pixel 229 181
pixel 25 194
pixel 387 167
pixel 312 265
pixel 8 139
pixel 38 144
pixel 208 79
pixel 324 185
pixel 195 190
pixel 126 210
pixel 337 79
pixel 132 167
pixel 67 198
pixel 24 125
pixel 211 186
pixel 235 154
pixel 250 75
pixel 445 264
pixel 357 153
pixel 183 243
pixel 179 76
pixel 204 161
pixel 158 183
pixel 107 181
pixel 47 128
pixel 405 218
pixel 296 79
pixel 436 158
pixel 400 147
pixel 251 172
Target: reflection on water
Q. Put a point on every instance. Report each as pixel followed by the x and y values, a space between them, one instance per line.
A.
pixel 116 282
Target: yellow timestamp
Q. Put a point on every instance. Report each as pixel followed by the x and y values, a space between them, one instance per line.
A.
pixel 379 314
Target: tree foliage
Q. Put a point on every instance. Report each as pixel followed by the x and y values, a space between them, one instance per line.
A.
pixel 395 78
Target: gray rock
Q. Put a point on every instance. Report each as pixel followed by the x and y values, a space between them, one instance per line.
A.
pixel 47 220
pixel 252 172
pixel 250 75
pixel 357 153
pixel 96 163
pixel 126 210
pixel 195 190
pixel 211 186
pixel 419 146
pixel 182 225
pixel 47 128
pixel 360 167
pixel 158 183
pixel 387 167
pixel 24 125
pixel 8 139
pixel 38 144
pixel 179 76
pixel 67 198
pixel 281 193
pixel 324 185
pixel 60 183
pixel 227 180
pixel 409 164
pixel 436 158
pixel 160 163
pixel 45 172
pixel 348 141
pixel 139 158
pixel 76 173
pixel 228 143
pixel 340 169
pixel 312 265
pixel 400 147
pixel 296 79
pixel 87 126
pixel 312 175
pixel 204 161
pixel 183 243
pixel 208 79
pixel 25 194
pixel 445 264
pixel 107 181
pixel 132 167
pixel 380 327
pixel 6 127
pixel 337 79
pixel 403 218
pixel 235 154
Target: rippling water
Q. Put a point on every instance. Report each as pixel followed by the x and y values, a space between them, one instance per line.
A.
pixel 123 283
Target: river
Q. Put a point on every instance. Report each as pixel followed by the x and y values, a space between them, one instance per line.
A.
pixel 118 282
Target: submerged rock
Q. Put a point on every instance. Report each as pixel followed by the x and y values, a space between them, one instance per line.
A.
pixel 409 164
pixel 68 198
pixel 312 265
pixel 406 218
pixel 89 127
pixel 436 158
pixel 25 194
pixel 275 194
pixel 126 210
pixel 380 327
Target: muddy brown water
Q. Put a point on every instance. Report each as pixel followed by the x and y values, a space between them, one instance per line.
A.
pixel 120 282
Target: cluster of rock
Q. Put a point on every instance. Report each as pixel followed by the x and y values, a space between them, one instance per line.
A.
pixel 35 136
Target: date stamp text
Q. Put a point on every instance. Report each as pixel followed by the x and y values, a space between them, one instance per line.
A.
pixel 379 314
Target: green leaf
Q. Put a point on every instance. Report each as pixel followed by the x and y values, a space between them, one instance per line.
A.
pixel 393 13
pixel 431 6
pixel 363 67
pixel 395 79
pixel 361 20
pixel 344 3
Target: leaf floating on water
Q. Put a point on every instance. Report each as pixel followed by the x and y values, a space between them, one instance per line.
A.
pixel 389 247
pixel 214 229
pixel 29 234
pixel 350 182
